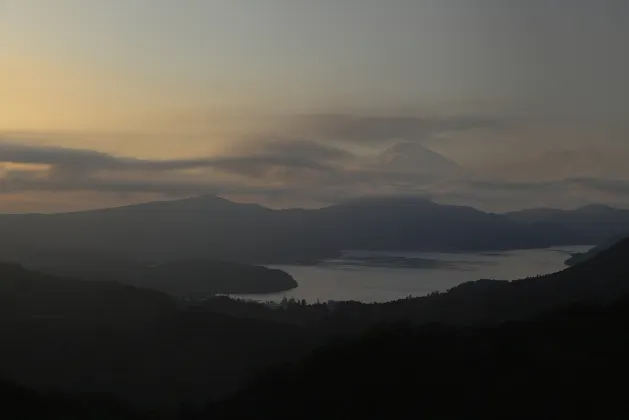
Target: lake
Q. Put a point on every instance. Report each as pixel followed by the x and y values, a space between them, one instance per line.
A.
pixel 383 276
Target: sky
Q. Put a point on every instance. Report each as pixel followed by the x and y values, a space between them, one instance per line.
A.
pixel 499 104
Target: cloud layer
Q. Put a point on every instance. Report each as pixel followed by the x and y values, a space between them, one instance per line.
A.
pixel 318 160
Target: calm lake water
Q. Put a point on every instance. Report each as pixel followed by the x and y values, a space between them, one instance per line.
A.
pixel 384 276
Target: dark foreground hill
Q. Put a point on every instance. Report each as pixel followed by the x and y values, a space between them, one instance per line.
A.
pixel 33 297
pixel 581 257
pixel 135 344
pixel 209 277
pixel 186 278
pixel 598 280
pixel 22 403
pixel 214 228
pixel 548 347
pixel 483 348
pixel 567 364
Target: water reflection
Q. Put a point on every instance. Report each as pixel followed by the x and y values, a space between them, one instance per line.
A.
pixel 383 276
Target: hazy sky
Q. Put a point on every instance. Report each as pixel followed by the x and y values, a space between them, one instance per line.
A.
pixel 300 102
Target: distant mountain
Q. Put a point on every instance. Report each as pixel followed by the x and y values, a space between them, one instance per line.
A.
pixel 595 223
pixel 203 228
pixel 412 223
pixel 213 228
pixel 414 157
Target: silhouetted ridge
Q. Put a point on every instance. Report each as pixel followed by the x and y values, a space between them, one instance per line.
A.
pixel 597 208
pixel 594 223
pixel 185 278
pixel 566 364
pixel 612 261
pixel 27 294
pixel 210 227
pixel 388 200
pixel 104 337
pixel 601 279
pixel 22 403
pixel 579 258
pixel 136 344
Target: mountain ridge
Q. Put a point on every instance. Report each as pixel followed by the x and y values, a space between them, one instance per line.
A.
pixel 211 227
pixel 597 223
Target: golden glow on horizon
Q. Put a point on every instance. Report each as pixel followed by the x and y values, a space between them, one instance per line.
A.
pixel 12 166
pixel 43 95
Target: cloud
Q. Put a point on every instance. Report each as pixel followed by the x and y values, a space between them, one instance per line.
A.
pixel 259 156
pixel 28 181
pixel 298 149
pixel 514 186
pixel 309 143
pixel 262 170
pixel 322 164
pixel 613 186
pixel 370 129
pixel 76 162
pixel 272 167
pixel 20 153
pixel 560 193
